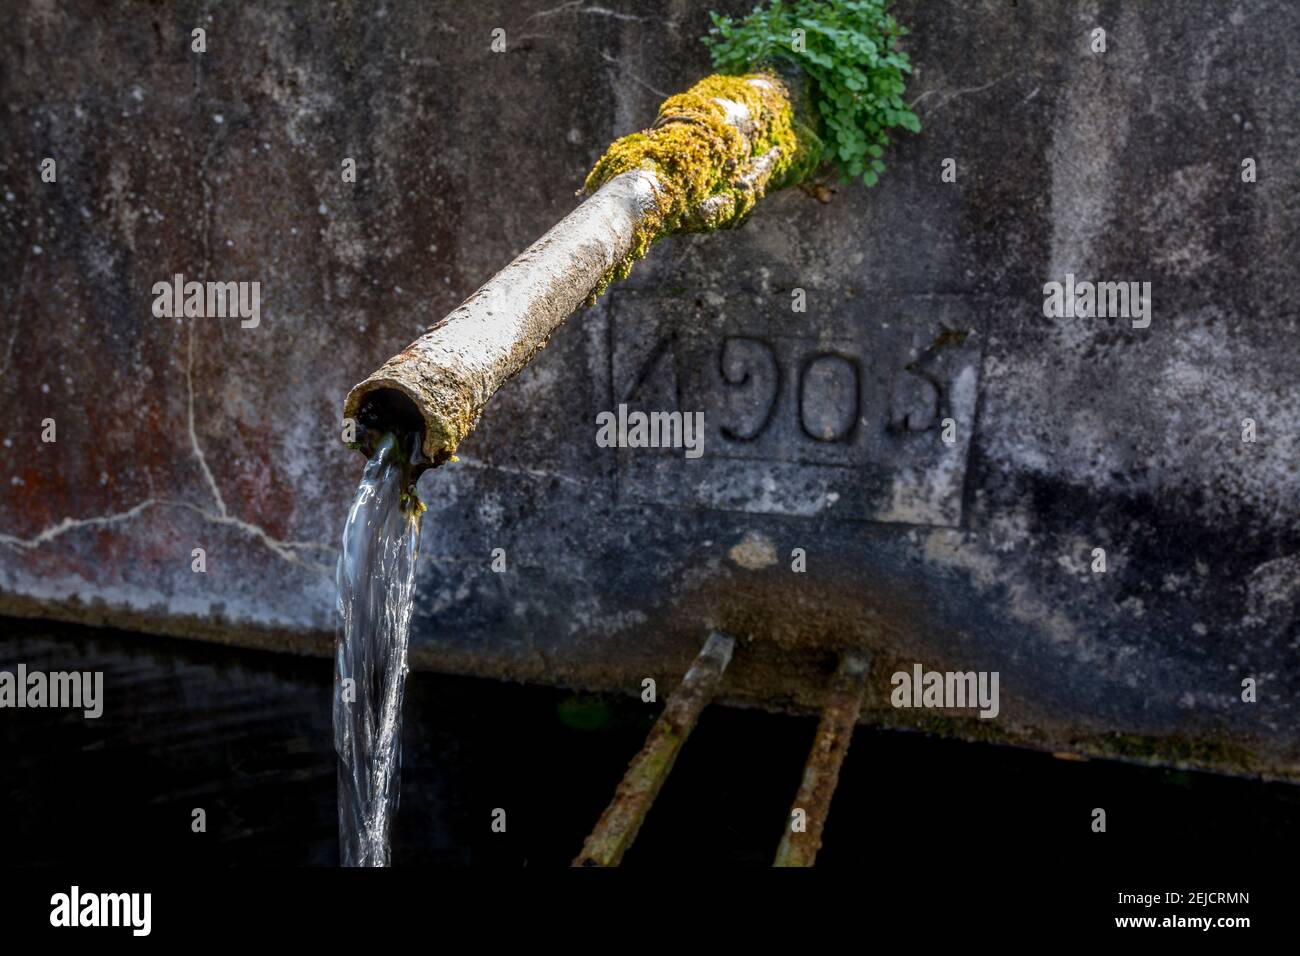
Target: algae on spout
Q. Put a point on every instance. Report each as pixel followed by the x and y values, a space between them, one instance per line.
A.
pixel 714 151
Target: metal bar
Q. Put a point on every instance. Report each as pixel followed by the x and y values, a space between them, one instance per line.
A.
pixel 822 771
pixel 622 819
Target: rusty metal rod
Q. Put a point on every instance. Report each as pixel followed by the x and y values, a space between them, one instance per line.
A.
pixel 622 819
pixel 822 771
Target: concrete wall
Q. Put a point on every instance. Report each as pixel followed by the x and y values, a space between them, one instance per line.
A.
pixel 925 300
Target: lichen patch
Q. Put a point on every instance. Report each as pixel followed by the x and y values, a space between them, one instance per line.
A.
pixel 725 141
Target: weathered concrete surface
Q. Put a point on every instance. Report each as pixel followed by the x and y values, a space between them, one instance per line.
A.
pixel 1072 434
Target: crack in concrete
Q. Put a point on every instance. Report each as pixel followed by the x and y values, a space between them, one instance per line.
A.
pixel 16 309
pixel 576 6
pixel 284 549
pixel 69 524
pixel 950 94
pixel 189 360
pixel 514 470
pixel 194 438
pixel 615 61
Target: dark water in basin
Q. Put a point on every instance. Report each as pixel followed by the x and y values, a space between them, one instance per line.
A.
pixel 247 736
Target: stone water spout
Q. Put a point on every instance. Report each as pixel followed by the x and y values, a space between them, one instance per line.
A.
pixel 711 154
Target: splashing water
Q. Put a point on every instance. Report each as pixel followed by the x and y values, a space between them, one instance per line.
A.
pixel 376 583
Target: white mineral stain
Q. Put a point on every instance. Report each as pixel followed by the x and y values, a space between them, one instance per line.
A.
pixel 754 552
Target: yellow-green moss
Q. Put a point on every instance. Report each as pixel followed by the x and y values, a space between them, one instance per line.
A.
pixel 695 154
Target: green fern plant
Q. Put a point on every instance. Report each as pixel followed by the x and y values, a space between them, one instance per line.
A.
pixel 848 50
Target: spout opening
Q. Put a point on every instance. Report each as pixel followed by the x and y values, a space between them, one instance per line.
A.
pixel 380 406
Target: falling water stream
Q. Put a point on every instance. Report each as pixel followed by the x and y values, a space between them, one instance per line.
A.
pixel 376 582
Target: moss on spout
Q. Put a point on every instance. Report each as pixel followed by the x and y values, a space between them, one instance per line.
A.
pixel 714 150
